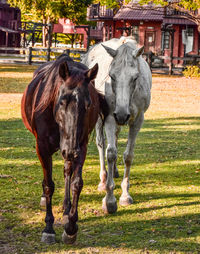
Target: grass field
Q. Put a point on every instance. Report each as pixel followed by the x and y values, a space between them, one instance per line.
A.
pixel 165 179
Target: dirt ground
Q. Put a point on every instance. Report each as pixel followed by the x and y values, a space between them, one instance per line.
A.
pixel 171 97
pixel 174 97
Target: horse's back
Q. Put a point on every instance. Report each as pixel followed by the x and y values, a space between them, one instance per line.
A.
pixel 31 94
pixel 28 102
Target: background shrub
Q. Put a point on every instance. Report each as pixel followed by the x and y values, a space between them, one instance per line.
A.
pixel 192 71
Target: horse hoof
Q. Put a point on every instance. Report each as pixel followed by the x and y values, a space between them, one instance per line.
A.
pixel 102 187
pixel 48 238
pixel 43 202
pixel 109 206
pixel 125 201
pixel 68 239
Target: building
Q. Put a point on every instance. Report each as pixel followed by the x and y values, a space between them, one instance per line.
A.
pixel 10 22
pixel 77 34
pixel 160 30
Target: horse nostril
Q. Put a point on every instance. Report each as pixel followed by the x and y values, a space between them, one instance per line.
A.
pixel 76 153
pixel 70 156
pixel 63 153
pixel 115 115
pixel 128 116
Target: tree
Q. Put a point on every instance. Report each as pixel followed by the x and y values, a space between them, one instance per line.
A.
pixel 188 8
pixel 48 11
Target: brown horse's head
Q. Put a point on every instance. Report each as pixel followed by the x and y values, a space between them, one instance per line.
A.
pixel 71 110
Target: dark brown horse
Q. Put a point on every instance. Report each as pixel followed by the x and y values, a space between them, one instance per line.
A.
pixel 60 107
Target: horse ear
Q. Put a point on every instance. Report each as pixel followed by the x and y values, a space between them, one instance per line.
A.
pixel 64 71
pixel 111 52
pixel 138 52
pixel 92 73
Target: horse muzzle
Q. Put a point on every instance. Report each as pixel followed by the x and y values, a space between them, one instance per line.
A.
pixel 70 155
pixel 121 118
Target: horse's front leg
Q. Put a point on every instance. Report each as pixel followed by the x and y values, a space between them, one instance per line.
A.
pixel 134 128
pixel 100 141
pixel 116 172
pixel 67 202
pixel 71 228
pixel 45 157
pixel 109 201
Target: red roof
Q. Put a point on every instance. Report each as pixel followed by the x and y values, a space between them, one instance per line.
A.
pixel 138 13
pixel 178 21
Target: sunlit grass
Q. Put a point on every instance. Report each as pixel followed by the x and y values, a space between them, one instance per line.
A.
pixel 14 78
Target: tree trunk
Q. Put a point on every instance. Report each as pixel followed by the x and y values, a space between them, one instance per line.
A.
pixel 44 32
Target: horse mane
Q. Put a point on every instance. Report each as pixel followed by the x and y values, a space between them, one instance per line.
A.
pixel 110 43
pixel 49 81
pixel 124 55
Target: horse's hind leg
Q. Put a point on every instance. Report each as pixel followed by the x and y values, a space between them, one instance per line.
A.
pixel 100 141
pixel 48 235
pixel 134 128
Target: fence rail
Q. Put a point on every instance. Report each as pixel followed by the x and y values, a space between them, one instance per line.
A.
pixel 170 65
pixel 31 55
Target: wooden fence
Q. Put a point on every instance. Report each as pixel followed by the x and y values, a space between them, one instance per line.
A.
pixel 158 64
pixel 170 65
pixel 36 55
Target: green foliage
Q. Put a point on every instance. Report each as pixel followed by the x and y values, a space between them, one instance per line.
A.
pixel 109 3
pixel 157 2
pixel 186 4
pixel 192 71
pixel 190 4
pixel 51 10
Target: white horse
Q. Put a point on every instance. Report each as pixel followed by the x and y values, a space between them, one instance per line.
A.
pixel 125 79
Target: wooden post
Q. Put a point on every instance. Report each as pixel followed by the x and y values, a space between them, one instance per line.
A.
pixel 48 53
pixel 150 59
pixel 194 60
pixel 49 43
pixel 88 37
pixel 171 52
pixel 30 55
pixel 55 39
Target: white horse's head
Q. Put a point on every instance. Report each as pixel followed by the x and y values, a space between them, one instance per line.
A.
pixel 124 71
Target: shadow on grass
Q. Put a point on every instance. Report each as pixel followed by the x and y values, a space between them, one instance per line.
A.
pixel 164 235
pixel 130 228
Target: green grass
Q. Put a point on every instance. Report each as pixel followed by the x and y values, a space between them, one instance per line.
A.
pixel 165 216
pixel 14 79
